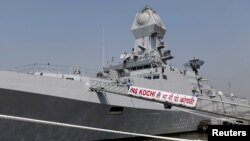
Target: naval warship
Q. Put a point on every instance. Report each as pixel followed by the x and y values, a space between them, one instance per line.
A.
pixel 72 96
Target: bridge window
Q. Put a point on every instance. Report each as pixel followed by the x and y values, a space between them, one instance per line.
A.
pixel 133 69
pixel 156 77
pixel 147 77
pixel 139 68
pixel 147 66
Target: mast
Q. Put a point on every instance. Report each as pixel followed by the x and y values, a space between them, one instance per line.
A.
pixel 149 30
pixel 103 49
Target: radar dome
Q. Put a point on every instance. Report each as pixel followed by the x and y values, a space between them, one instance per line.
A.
pixel 220 93
pixel 142 18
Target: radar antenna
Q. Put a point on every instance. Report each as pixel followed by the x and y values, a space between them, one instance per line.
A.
pixel 194 64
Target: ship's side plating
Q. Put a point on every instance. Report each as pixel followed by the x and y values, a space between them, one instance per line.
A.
pixel 71 102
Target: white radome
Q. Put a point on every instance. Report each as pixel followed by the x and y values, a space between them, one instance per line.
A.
pixel 220 93
pixel 142 18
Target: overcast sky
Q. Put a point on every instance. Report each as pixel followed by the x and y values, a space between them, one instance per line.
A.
pixel 70 33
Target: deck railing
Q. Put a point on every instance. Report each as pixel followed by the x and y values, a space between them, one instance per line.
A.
pixel 58 69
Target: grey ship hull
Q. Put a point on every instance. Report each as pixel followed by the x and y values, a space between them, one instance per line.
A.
pixel 51 108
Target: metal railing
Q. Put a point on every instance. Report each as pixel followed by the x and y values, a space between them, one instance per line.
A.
pixel 216 108
pixel 226 108
pixel 58 69
pixel 113 87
